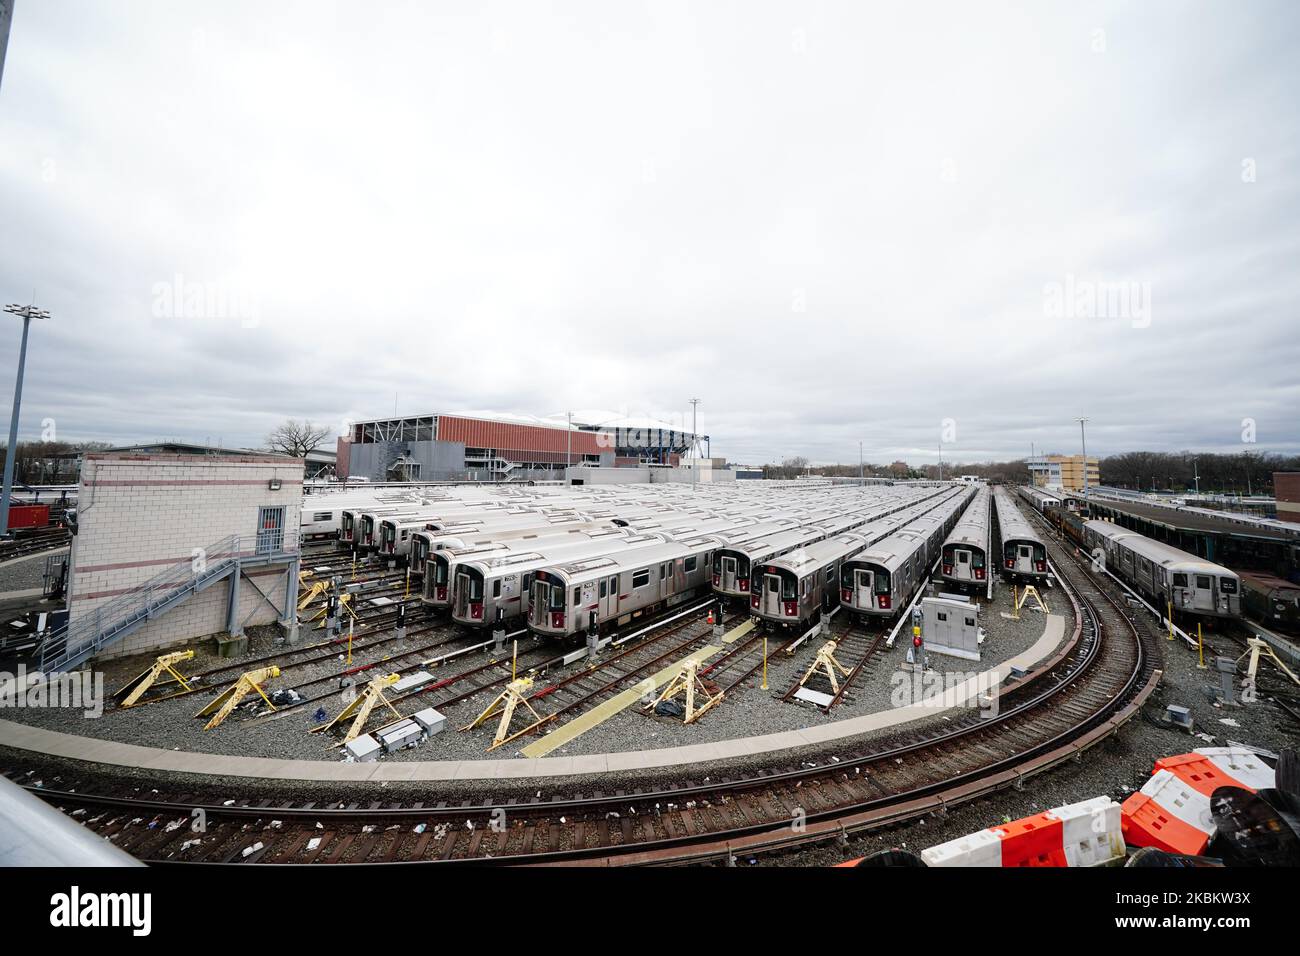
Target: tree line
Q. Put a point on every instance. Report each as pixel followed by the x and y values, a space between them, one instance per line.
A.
pixel 56 462
pixel 1244 472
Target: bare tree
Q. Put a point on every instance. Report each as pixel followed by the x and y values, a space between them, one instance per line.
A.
pixel 295 438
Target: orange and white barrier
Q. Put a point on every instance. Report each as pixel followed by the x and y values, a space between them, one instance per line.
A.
pixel 1172 810
pixel 1077 834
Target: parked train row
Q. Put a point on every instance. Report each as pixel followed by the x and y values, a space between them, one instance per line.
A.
pixel 881 580
pixel 1166 576
pixel 796 587
pixel 559 560
pixel 562 583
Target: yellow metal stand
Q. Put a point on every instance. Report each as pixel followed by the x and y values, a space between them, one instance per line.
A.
pixel 310 594
pixel 225 703
pixel 826 663
pixel 1024 599
pixel 687 679
pixel 516 693
pixel 1257 647
pixel 1200 648
pixel 136 687
pixel 765 663
pixel 359 708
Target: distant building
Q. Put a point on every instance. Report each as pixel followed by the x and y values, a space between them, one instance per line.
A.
pixel 1286 488
pixel 500 447
pixel 460 447
pixel 1063 471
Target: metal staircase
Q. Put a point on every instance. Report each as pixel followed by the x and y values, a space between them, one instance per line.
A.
pixel 86 635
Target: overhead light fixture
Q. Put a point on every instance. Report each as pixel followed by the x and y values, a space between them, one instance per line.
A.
pixel 274 484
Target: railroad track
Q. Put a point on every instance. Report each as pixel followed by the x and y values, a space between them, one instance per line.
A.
pixel 1077 699
pixel 213 678
pixel 47 539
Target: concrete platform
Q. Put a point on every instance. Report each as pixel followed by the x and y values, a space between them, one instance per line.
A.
pixel 74 747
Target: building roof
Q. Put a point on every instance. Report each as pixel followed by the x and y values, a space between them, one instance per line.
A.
pixel 187 448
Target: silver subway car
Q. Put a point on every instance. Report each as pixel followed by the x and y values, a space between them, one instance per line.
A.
pixel 966 549
pixel 618 587
pixel 881 580
pixel 1024 556
pixel 1164 574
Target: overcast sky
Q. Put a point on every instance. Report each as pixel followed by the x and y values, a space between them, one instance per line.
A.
pixel 830 222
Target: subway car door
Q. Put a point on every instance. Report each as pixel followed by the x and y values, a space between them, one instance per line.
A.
pixel 862 580
pixel 961 570
pixel 1203 593
pixel 771 594
pixel 728 573
pixel 609 597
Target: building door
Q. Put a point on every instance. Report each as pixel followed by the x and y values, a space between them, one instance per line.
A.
pixel 270 530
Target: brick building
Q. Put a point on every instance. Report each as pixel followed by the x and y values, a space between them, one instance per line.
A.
pixel 1286 489
pixel 181 527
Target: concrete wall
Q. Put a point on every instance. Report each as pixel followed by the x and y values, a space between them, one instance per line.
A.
pixel 647 475
pixel 608 476
pixel 141 515
pixel 439 460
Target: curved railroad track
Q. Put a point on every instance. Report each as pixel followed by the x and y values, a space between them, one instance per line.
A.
pixel 1095 682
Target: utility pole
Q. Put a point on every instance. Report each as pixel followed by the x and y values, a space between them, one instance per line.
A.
pixel 1196 476
pixel 568 448
pixel 26 313
pixel 1084 438
pixel 941 459
pixel 695 404
pixel 861 473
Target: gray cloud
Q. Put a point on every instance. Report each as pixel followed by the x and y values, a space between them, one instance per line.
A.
pixel 831 224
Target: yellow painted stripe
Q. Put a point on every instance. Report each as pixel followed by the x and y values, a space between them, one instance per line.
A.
pixel 736 633
pixel 602 712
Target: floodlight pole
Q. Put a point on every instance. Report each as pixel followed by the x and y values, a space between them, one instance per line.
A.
pixel 26 313
pixel 695 463
pixel 1083 437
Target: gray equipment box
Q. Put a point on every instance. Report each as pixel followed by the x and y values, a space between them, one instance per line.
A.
pixel 404 733
pixel 364 749
pixel 411 681
pixel 430 720
pixel 951 627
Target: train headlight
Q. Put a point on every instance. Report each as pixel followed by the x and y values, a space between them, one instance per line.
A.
pixel 744 584
pixel 884 602
pixel 557 619
pixel 476 611
pixel 979 574
pixel 754 601
pixel 791 608
pixel 846 595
